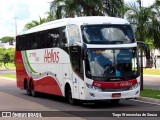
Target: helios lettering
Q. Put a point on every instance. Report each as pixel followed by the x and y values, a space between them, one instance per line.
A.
pixel 51 56
pixel 125 84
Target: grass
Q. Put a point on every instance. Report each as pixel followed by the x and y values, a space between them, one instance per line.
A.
pixel 8 65
pixel 151 93
pixel 8 75
pixel 151 71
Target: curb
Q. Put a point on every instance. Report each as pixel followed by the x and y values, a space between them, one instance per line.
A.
pixel 7 69
pixel 7 78
pixel 151 100
pixel 151 75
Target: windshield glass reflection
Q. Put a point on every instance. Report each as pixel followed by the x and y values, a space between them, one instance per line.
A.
pixel 108 34
pixel 112 63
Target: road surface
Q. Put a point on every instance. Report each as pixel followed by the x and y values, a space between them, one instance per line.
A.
pixel 152 82
pixel 8 71
pixel 14 99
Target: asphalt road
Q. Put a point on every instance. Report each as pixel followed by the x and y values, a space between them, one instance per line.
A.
pixel 8 71
pixel 152 82
pixel 14 99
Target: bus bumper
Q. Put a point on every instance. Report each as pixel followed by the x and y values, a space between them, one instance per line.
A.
pixel 95 95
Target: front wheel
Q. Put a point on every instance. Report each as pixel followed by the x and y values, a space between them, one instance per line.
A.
pixel 71 100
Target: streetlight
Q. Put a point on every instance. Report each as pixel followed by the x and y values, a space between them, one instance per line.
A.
pixel 15 25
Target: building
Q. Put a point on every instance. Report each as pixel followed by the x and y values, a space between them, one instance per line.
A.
pixel 7 45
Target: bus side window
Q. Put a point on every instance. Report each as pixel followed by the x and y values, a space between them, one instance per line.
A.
pixel 34 44
pixel 76 60
pixel 62 37
pixel 53 38
pixel 73 34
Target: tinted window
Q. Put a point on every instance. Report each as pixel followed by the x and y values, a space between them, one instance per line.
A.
pixel 108 34
pixel 43 39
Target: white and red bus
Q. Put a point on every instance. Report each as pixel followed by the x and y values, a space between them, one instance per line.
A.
pixel 83 58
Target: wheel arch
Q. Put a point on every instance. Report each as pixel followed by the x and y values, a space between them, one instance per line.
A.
pixel 66 86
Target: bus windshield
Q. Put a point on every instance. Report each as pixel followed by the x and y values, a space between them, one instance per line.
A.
pixel 112 63
pixel 108 34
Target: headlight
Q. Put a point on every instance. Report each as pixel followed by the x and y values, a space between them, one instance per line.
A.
pixel 93 87
pixel 135 86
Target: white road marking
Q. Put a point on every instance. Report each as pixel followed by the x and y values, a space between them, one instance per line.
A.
pixel 8 78
pixel 146 102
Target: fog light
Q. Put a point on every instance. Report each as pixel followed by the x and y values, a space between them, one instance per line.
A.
pixel 135 86
pixel 137 92
pixel 92 94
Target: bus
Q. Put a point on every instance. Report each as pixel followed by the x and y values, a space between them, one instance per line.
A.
pixel 82 58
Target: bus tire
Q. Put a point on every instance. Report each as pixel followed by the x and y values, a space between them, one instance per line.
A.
pixel 27 88
pixel 114 101
pixel 33 92
pixel 71 100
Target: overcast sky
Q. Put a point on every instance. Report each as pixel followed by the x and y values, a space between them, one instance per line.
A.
pixel 26 11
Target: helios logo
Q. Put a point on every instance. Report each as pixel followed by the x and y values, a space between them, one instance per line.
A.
pixel 125 84
pixel 97 84
pixel 51 56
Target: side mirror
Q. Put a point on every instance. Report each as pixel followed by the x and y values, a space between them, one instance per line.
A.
pixel 147 51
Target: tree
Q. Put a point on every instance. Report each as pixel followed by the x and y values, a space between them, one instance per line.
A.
pixel 7 56
pixel 1 55
pixel 154 25
pixel 6 59
pixel 11 53
pixel 92 7
pixel 138 16
pixel 34 23
pixel 114 8
pixel 145 20
pixel 57 7
pixel 72 8
pixel 4 56
pixel 50 16
pixel 7 39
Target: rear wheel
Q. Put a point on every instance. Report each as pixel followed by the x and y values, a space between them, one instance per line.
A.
pixel 33 92
pixel 27 89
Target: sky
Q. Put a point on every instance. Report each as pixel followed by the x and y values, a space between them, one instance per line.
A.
pixel 23 11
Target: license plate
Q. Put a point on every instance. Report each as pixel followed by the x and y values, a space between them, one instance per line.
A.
pixel 115 95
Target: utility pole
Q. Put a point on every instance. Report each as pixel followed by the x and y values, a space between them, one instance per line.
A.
pixel 15 25
pixel 141 69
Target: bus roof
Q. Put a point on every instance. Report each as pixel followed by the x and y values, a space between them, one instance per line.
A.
pixel 90 20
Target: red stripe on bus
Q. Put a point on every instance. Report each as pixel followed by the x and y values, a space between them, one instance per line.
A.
pixel 48 85
pixel 21 73
pixel 115 85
